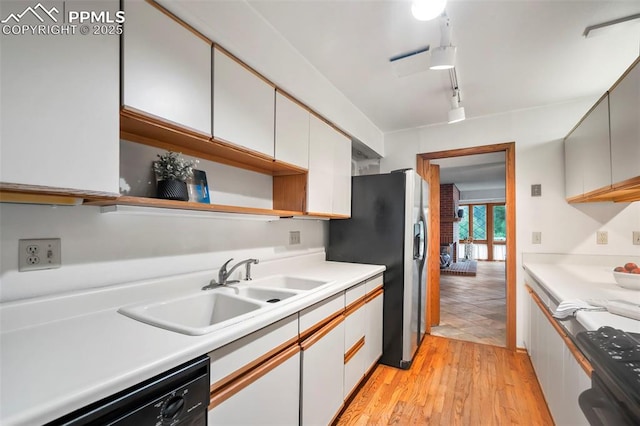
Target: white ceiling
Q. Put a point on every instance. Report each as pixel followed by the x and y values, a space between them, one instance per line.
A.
pixel 474 172
pixel 511 54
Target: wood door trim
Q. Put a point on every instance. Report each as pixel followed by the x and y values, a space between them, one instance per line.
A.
pixel 433 291
pixel 510 204
pixel 584 362
pixel 319 334
pixel 221 395
pixel 354 350
pixel 461 152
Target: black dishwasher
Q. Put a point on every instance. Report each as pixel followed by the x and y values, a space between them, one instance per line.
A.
pixel 179 396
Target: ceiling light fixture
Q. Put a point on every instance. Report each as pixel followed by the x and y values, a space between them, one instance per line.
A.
pixel 425 10
pixel 443 57
pixel 456 113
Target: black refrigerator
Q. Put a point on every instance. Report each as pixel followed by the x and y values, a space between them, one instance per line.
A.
pixel 388 227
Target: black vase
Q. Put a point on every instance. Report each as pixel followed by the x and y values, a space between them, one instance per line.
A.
pixel 173 190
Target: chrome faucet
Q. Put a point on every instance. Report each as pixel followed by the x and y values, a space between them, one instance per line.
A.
pixel 223 274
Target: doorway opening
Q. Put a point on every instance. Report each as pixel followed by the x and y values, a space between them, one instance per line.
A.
pixel 471 263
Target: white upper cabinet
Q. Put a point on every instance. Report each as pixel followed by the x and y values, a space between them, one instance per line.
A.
pixel 329 180
pixel 624 104
pixel 243 105
pixel 573 166
pixel 587 153
pixel 60 107
pixel 321 167
pixel 596 173
pixel 292 132
pixel 166 68
pixel 342 175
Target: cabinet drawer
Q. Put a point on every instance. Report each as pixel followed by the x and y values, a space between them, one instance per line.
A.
pixel 354 294
pixel 354 365
pixel 373 283
pixel 354 325
pixel 236 358
pixel 315 316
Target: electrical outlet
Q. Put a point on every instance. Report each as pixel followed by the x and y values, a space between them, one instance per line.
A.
pixel 294 237
pixel 39 254
pixel 536 237
pixel 636 238
pixel 602 237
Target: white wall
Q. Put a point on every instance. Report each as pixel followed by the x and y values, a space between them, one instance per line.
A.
pixel 103 249
pixel 538 135
pixel 245 33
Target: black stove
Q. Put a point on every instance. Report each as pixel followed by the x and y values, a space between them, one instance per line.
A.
pixel 614 397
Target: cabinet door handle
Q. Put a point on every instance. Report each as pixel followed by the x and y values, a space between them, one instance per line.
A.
pixel 354 350
pixel 318 335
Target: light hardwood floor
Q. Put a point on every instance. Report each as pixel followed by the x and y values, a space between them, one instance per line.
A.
pixel 451 382
pixel 474 308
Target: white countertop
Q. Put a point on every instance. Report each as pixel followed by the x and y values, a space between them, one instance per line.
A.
pixel 58 354
pixel 565 281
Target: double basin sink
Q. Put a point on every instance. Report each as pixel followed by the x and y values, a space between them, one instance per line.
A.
pixel 206 311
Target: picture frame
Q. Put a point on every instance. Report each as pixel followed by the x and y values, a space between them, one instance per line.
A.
pixel 198 187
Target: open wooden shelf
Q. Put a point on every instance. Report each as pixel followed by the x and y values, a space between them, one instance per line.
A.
pixel 185 205
pixel 140 127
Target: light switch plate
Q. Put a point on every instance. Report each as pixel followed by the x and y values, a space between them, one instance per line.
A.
pixel 536 237
pixel 36 254
pixel 636 238
pixel 536 190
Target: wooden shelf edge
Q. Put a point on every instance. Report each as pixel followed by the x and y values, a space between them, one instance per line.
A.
pixel 626 192
pixel 326 215
pixel 36 194
pixel 185 205
pixel 140 127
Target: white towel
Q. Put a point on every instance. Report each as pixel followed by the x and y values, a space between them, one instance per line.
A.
pixel 568 308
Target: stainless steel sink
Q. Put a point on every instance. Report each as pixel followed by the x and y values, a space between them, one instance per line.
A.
pixel 195 314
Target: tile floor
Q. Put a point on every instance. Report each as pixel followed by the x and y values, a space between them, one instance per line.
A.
pixel 474 308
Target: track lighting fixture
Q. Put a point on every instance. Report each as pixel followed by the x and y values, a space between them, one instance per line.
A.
pixel 443 57
pixel 456 113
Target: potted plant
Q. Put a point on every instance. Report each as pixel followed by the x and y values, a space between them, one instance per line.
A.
pixel 172 172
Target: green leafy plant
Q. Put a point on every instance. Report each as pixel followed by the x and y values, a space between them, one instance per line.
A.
pixel 172 166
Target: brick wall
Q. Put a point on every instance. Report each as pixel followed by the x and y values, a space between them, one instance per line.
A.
pixel 449 199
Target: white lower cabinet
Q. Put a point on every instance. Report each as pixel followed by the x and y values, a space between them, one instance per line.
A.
pixel 245 373
pixel 354 337
pixel 373 333
pixel 322 334
pixel 301 369
pixel 271 399
pixel 560 376
pixel 322 374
